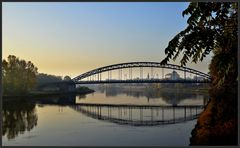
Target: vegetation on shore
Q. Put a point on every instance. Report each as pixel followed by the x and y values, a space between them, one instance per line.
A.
pixel 21 78
pixel 212 26
pixel 183 87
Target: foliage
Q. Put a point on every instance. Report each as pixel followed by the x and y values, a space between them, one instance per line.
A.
pixel 212 26
pixel 43 78
pixel 19 76
pixel 67 78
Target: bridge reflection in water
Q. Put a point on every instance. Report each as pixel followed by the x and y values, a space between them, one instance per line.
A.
pixel 139 115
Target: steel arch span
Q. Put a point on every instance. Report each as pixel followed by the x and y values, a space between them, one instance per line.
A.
pixel 139 64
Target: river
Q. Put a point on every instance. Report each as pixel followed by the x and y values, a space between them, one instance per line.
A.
pixel 107 117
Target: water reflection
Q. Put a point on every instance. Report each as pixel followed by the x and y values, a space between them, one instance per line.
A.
pixel 18 116
pixel 62 100
pixel 139 115
pixel 115 95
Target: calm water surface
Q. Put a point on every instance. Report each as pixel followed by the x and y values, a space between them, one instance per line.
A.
pixel 64 121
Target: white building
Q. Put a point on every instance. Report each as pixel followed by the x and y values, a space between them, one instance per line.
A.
pixel 198 78
pixel 172 76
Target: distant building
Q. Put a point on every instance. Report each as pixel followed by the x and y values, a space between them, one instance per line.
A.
pixel 198 78
pixel 172 76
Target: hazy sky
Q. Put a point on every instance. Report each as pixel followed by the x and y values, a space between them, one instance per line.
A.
pixel 72 38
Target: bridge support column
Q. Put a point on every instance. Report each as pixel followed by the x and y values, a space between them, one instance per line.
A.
pixel 130 113
pixel 190 112
pixel 120 74
pixel 152 72
pixel 185 74
pixel 151 114
pixel 121 112
pixel 130 73
pixel 185 113
pixel 162 114
pixel 110 74
pixel 110 112
pixel 173 114
pixel 162 73
pixel 141 72
pixel 118 113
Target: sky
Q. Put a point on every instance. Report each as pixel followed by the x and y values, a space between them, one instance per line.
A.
pixel 73 38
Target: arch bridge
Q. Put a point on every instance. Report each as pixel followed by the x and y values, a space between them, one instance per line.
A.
pixel 95 76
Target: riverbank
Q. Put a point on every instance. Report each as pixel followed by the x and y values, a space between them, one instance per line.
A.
pixel 217 124
pixel 44 94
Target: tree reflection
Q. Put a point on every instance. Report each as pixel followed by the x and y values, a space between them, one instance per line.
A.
pixel 17 117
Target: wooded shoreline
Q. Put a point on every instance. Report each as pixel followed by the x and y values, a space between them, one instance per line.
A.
pixel 43 94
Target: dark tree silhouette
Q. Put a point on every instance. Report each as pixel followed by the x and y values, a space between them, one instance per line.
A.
pixel 43 78
pixel 19 76
pixel 67 78
pixel 212 26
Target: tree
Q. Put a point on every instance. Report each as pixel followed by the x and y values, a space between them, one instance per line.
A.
pixel 19 76
pixel 211 27
pixel 43 78
pixel 67 78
